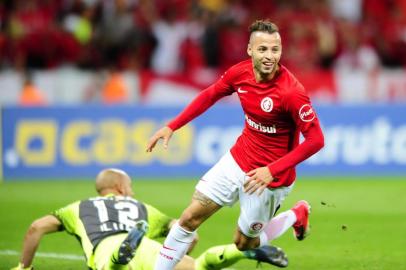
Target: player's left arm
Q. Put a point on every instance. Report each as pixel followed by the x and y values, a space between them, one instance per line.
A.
pixel 223 87
pixel 40 227
pixel 298 105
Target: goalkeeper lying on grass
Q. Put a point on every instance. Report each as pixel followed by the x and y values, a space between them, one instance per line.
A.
pixel 111 230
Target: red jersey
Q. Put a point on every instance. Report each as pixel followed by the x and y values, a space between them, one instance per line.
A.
pixel 276 112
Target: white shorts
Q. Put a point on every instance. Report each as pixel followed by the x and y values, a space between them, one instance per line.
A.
pixel 223 184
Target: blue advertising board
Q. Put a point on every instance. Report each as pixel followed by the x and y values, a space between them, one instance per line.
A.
pixel 76 142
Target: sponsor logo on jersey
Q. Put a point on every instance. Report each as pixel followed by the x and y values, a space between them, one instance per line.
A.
pixel 259 126
pixel 306 113
pixel 256 226
pixel 267 104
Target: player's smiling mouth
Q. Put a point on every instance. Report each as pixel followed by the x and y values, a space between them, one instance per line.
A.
pixel 268 64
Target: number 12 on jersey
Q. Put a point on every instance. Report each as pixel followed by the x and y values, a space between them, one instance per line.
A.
pixel 116 215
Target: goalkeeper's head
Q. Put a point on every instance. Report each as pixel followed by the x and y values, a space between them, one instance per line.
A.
pixel 114 181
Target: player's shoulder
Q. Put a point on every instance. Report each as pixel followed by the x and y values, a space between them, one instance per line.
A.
pixel 72 204
pixel 68 209
pixel 240 69
pixel 289 82
pixel 242 65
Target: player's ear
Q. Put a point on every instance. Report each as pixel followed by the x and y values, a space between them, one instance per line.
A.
pixel 249 50
pixel 120 188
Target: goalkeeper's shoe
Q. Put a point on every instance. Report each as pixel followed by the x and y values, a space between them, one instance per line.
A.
pixel 130 244
pixel 302 225
pixel 272 255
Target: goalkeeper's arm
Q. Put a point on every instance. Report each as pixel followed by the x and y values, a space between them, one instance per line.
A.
pixel 41 226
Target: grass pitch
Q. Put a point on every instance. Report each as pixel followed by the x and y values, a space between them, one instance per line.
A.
pixel 357 223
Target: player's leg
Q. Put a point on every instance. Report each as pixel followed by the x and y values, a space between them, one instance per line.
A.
pixel 116 251
pixel 182 233
pixel 302 225
pixel 256 212
pixel 102 256
pixel 220 257
pixel 272 230
pixel 279 225
pixel 218 187
pixel 244 242
pixel 187 263
pixel 147 254
pixel 127 249
pixel 297 217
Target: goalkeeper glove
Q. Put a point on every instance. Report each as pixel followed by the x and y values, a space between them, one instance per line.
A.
pixel 20 266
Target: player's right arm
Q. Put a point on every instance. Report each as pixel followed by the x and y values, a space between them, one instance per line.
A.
pixel 40 227
pixel 199 105
pixel 164 133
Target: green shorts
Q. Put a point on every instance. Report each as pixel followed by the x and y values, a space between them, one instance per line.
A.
pixel 144 258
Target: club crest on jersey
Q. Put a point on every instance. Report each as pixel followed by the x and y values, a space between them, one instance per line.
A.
pixel 267 104
pixel 256 226
pixel 306 113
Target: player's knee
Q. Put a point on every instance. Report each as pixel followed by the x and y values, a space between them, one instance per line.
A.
pixel 33 229
pixel 189 221
pixel 240 245
pixel 245 244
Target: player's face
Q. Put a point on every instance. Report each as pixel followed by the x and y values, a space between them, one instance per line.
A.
pixel 265 50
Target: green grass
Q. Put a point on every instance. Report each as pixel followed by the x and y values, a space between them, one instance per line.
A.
pixel 372 210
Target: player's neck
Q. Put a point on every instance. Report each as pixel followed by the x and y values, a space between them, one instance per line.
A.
pixel 109 191
pixel 261 77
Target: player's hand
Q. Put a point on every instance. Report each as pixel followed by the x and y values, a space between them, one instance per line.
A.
pixel 164 133
pixel 258 180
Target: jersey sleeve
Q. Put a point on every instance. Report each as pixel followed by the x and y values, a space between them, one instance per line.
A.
pixel 158 223
pixel 68 216
pixel 223 87
pixel 298 106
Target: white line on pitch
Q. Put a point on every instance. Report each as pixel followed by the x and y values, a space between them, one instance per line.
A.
pixel 71 257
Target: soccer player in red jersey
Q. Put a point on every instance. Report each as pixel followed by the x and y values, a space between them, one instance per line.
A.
pixel 259 170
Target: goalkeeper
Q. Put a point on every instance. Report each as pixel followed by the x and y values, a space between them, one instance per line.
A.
pixel 111 230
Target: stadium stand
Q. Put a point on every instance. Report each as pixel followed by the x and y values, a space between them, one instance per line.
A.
pixel 187 44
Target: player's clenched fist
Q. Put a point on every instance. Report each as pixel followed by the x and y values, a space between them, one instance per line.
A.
pixel 258 180
pixel 164 133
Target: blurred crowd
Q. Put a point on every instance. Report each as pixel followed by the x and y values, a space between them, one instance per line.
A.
pixel 182 36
